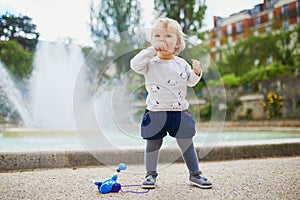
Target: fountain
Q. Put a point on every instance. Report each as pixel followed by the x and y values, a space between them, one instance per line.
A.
pixel 50 100
pixel 56 66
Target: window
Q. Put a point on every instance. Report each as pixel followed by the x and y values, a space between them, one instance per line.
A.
pixel 286 24
pixel 269 4
pixel 229 29
pixel 257 9
pixel 217 56
pixel 218 44
pixel 285 10
pixel 298 5
pixel 239 27
pixel 270 16
pixel 219 32
pixel 257 20
pixel 268 28
pixel 219 22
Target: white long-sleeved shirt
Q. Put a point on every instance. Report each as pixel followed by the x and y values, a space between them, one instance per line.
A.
pixel 166 80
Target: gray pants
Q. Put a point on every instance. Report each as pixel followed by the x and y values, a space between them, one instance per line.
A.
pixel 186 146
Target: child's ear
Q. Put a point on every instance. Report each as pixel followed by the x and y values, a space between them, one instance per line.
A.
pixel 178 44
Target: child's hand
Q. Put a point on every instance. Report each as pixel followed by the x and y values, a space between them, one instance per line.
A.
pixel 196 67
pixel 160 46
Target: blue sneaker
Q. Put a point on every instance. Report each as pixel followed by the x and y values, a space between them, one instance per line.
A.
pixel 200 181
pixel 150 180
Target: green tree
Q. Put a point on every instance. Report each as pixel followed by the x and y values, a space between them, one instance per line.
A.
pixel 251 57
pixel 17 60
pixel 110 18
pixel 245 54
pixel 189 13
pixel 19 28
pixel 112 25
pixel 275 69
pixel 287 46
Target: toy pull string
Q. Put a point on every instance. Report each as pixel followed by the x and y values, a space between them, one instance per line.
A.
pixel 135 192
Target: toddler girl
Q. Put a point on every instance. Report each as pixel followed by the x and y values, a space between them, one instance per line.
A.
pixel 166 79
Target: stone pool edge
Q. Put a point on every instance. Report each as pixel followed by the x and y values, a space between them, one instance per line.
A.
pixel 59 158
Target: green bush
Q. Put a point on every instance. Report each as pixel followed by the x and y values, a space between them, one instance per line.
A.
pixel 231 80
pixel 262 73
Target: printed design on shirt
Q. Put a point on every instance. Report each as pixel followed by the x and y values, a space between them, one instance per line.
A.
pixel 176 105
pixel 180 95
pixel 154 88
pixel 183 75
pixel 155 103
pixel 172 82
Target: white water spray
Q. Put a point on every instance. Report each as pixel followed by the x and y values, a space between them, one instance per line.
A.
pixel 56 67
pixel 14 95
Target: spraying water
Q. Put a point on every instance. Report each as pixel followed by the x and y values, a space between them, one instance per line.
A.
pixel 56 66
pixel 14 95
pixel 55 70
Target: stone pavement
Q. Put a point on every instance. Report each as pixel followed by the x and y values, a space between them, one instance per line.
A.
pixel 268 178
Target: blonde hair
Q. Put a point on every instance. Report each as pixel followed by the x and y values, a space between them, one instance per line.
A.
pixel 173 24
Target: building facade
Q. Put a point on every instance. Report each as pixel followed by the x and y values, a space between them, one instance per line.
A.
pixel 262 19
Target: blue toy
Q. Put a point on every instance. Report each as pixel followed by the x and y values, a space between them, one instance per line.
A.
pixel 110 184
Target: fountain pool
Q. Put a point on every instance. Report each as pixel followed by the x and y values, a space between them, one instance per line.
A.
pixel 63 139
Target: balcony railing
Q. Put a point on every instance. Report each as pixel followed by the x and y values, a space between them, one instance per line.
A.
pixel 290 13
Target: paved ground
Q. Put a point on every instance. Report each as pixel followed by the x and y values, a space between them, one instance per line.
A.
pixel 271 178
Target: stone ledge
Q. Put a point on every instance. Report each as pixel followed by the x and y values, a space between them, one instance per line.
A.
pixel 43 158
pixel 254 124
pixel 255 149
